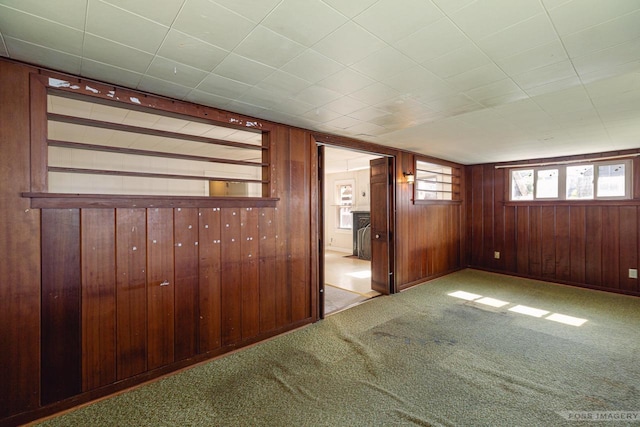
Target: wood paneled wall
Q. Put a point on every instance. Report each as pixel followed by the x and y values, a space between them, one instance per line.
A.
pixel 587 244
pixel 98 298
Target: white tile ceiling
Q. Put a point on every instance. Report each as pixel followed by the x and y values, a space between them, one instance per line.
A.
pixel 466 80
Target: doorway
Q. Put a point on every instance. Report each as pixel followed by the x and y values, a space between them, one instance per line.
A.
pixel 346 228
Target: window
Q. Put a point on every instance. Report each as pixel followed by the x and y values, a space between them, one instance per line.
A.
pixel 344 200
pixel 436 182
pixel 576 181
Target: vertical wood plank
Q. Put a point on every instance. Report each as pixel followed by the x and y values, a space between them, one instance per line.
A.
pixel 628 246
pixel 488 182
pixel 283 213
pixel 510 232
pixel 131 292
pixel 563 243
pixel 535 241
pixel 578 246
pixel 267 269
pixel 548 241
pixel 61 285
pixel 20 251
pixel 186 282
pixel 209 247
pixel 522 239
pixel 249 246
pixel 98 297
pixel 477 216
pixel 499 219
pixel 160 287
pixel 593 245
pixel 231 286
pixel 611 247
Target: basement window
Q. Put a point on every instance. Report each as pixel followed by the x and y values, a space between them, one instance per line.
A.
pixel 436 182
pixel 602 180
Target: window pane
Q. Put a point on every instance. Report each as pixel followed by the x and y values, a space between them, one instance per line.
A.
pixel 522 184
pixel 580 182
pixel 547 184
pixel 611 180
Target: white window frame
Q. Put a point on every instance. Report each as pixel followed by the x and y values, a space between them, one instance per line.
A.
pixel 562 180
pixel 339 202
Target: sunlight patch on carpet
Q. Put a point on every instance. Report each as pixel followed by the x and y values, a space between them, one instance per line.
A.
pixel 529 311
pixel 465 295
pixel 568 320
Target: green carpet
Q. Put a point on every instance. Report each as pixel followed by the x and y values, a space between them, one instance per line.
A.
pixel 417 358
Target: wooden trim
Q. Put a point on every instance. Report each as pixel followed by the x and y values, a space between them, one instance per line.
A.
pixel 67 201
pixel 38 121
pixel 149 175
pixel 148 153
pixel 599 202
pixel 437 202
pixel 81 121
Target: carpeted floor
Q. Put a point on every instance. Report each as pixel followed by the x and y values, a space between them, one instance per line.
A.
pixel 421 357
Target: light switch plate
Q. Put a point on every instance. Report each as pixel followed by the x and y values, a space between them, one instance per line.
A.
pixel 633 273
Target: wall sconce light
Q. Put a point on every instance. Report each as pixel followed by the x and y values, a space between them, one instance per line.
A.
pixel 409 177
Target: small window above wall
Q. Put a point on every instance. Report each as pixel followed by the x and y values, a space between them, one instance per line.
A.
pixel 598 180
pixel 108 149
pixel 435 182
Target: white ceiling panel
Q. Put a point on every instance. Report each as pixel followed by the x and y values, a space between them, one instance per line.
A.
pixel 466 80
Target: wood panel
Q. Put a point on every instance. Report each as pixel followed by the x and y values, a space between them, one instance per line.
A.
pixel 267 228
pixel 380 236
pixel 231 286
pixel 578 244
pixel 160 287
pixel 611 247
pixel 282 152
pixel 61 284
pixel 20 249
pixel 628 247
pixel 593 245
pixel 548 241
pixel 186 296
pixel 250 253
pixel 131 292
pixel 209 247
pixel 522 239
pixel 563 243
pixel 98 297
pixel 477 216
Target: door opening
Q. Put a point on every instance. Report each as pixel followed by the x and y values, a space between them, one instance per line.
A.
pixel 347 254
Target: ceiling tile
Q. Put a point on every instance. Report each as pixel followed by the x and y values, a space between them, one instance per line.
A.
pixel 164 15
pixel 501 88
pixel 107 73
pixel 205 98
pixel 477 77
pixel 317 95
pixel 284 83
pixel 611 71
pixel 345 105
pixel 578 15
pixel 602 36
pixel 3 47
pixel 261 97
pixel 375 94
pixel 484 17
pixel 391 23
pixel 343 122
pixel 162 87
pixel 212 23
pixel 293 107
pixel 415 80
pixel 131 30
pixel 457 61
pixel 384 64
pixel 312 66
pixel 242 69
pixel 263 45
pixel 550 4
pixel 349 44
pixel 66 12
pixel 614 86
pixel 524 35
pixel 368 113
pixel 545 75
pixel 350 8
pixel 567 83
pixel 346 81
pixel 531 59
pixel 450 6
pixel 562 101
pixel 222 86
pixel 175 72
pixel 449 103
pixel 109 52
pixel 608 58
pixel 255 10
pixel 320 115
pixel 294 19
pixel 432 41
pixel 34 54
pixel 31 29
pixel 191 51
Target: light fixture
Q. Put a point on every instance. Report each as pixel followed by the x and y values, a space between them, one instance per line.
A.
pixel 409 177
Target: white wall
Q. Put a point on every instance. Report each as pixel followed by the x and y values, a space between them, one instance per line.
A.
pixel 336 239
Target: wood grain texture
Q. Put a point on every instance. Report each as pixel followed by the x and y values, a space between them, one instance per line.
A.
pixel 250 252
pixel 160 288
pixel 61 362
pixel 231 286
pixel 98 297
pixel 210 267
pixel 20 249
pixel 380 238
pixel 267 272
pixel 628 247
pixel 131 292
